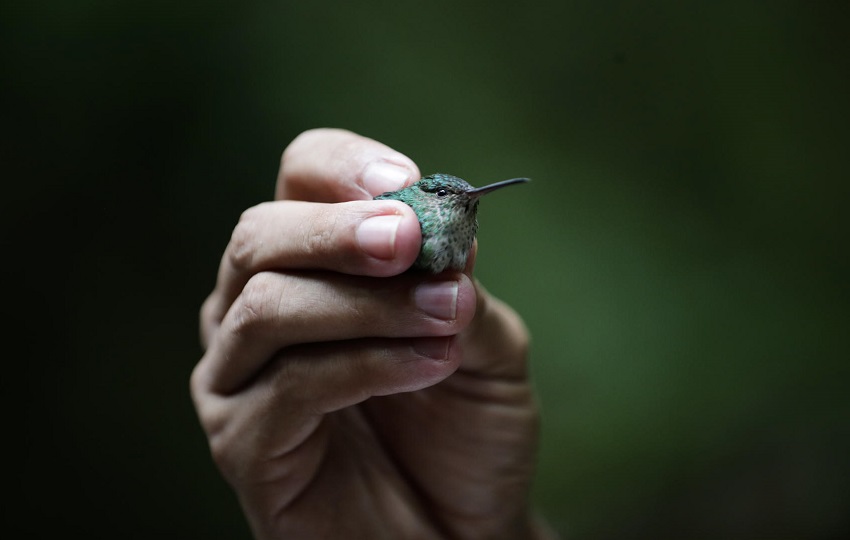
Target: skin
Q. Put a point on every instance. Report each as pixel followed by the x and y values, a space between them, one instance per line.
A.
pixel 346 398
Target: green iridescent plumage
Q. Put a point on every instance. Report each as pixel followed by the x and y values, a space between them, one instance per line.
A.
pixel 447 207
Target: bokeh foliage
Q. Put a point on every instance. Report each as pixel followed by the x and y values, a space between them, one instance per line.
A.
pixel 679 256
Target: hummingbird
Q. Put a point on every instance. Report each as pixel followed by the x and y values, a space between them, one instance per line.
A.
pixel 447 208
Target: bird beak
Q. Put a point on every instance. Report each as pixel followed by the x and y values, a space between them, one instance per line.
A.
pixel 477 192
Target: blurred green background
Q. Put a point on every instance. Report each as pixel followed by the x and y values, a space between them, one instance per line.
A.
pixel 679 256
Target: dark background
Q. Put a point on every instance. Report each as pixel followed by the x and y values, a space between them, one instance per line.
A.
pixel 679 256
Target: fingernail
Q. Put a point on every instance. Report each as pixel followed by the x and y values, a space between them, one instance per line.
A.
pixel 382 176
pixel 437 299
pixel 435 348
pixel 376 236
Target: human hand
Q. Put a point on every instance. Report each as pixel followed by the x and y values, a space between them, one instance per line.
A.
pixel 345 398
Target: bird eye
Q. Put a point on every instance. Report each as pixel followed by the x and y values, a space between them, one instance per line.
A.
pixel 442 192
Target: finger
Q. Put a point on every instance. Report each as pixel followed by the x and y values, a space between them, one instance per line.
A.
pixel 282 407
pixel 276 310
pixel 375 238
pixel 335 165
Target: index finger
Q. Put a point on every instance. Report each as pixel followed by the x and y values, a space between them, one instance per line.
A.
pixel 336 165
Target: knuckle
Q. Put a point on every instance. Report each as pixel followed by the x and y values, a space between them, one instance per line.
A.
pixel 321 233
pixel 212 420
pixel 206 312
pixel 243 240
pixel 296 143
pixel 223 455
pixel 302 142
pixel 205 400
pixel 258 303
pixel 197 386
pixel 346 151
pixel 208 318
pixel 218 422
pixel 223 430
